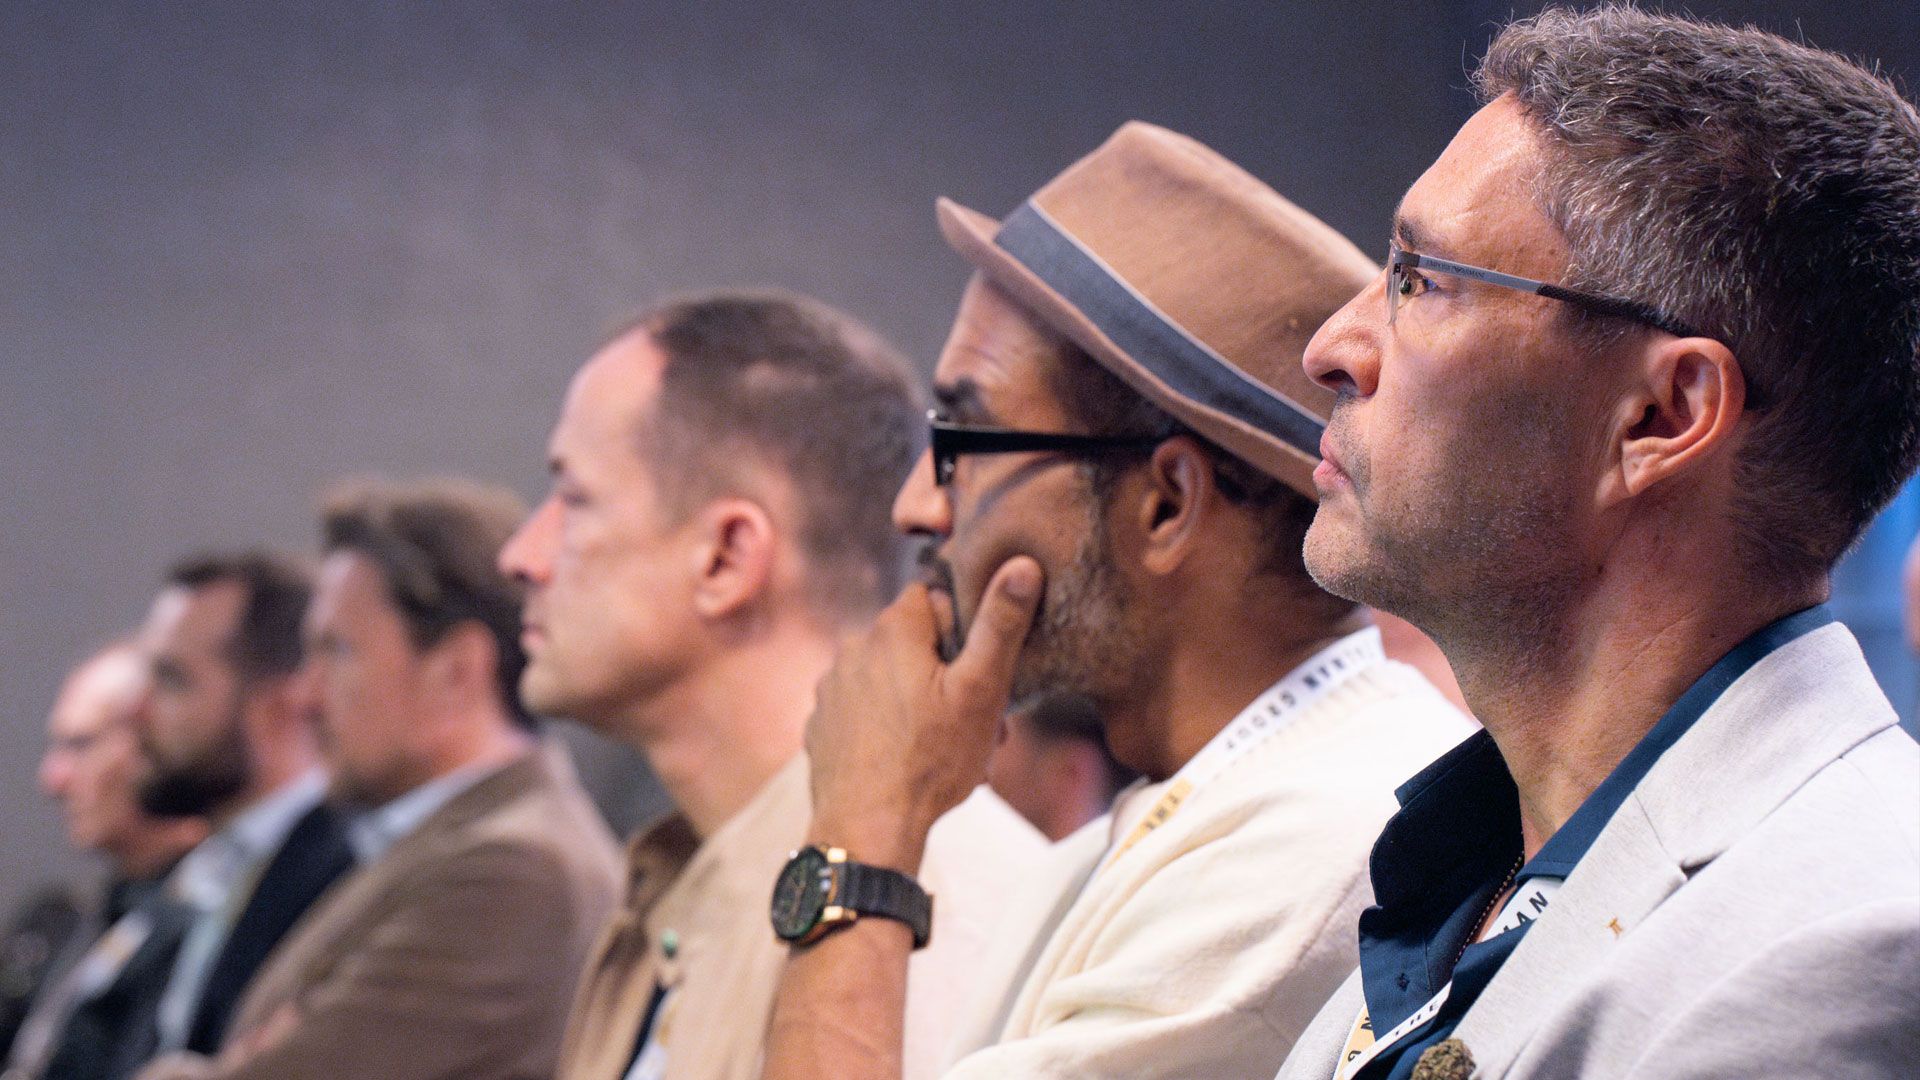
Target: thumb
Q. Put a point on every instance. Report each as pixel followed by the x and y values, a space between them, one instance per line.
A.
pixel 999 627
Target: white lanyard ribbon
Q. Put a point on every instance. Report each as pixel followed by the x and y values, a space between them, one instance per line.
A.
pixel 1269 714
pixel 1525 905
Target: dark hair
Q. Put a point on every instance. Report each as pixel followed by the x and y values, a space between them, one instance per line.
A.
pixel 1062 716
pixel 1768 193
pixel 1099 403
pixel 266 640
pixel 767 378
pixel 436 545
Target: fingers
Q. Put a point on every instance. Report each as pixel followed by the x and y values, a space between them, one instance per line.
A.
pixel 999 627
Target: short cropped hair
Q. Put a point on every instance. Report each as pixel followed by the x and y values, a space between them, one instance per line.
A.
pixel 1767 193
pixel 1099 403
pixel 436 545
pixel 266 640
pixel 772 379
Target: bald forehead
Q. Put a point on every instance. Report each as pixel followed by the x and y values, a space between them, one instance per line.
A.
pixel 612 394
pixel 100 691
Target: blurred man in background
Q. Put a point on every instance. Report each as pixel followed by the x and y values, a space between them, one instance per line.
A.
pixel 225 736
pixel 718 519
pixel 90 767
pixel 485 871
pixel 1052 763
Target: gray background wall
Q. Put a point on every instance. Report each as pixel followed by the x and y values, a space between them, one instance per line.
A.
pixel 246 247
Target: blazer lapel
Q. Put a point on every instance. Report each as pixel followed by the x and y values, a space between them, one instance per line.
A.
pixel 313 856
pixel 1624 877
pixel 1793 713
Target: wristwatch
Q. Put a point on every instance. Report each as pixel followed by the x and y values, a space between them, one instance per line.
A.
pixel 821 890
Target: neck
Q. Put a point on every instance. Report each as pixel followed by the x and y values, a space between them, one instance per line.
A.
pixel 1567 702
pixel 1216 666
pixel 718 735
pixel 159 846
pixel 274 767
pixel 483 736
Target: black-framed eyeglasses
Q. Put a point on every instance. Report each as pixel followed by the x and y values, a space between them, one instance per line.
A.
pixel 1400 285
pixel 948 441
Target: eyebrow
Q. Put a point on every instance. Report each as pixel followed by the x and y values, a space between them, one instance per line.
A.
pixel 961 401
pixel 1412 236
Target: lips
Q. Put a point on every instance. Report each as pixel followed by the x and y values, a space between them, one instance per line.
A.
pixel 1328 474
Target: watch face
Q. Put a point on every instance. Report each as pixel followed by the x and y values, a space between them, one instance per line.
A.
pixel 800 895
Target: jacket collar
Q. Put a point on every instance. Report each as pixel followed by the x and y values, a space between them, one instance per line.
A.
pixel 1788 716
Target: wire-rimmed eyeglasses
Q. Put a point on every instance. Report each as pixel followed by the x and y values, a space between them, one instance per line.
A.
pixel 1400 285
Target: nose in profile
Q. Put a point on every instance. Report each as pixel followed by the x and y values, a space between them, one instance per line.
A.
pixel 922 508
pixel 1344 355
pixel 527 555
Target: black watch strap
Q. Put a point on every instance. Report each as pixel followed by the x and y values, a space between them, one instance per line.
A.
pixel 875 890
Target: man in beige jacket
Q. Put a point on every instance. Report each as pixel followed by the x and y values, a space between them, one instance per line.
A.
pixel 718 519
pixel 484 870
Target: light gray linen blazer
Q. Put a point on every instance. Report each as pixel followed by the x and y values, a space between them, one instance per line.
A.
pixel 1751 911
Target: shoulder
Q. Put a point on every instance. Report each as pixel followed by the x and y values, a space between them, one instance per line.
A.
pixel 1830 995
pixel 533 809
pixel 1848 834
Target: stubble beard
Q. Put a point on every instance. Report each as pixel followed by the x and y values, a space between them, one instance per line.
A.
pixel 1481 562
pixel 1081 640
pixel 1079 637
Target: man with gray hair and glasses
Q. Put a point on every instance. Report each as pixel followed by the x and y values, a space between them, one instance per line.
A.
pixel 1685 844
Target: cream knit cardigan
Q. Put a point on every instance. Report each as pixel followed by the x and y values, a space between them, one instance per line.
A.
pixel 1204 950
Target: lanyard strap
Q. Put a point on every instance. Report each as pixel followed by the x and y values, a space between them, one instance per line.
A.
pixel 1269 714
pixel 1528 901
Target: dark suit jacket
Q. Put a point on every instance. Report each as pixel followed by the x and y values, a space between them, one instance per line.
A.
pixel 110 1030
pixel 314 855
pixel 51 925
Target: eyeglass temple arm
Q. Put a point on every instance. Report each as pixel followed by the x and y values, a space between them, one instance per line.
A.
pixel 1605 305
pixel 976 441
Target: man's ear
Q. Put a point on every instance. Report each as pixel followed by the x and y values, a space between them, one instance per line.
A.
pixel 1170 505
pixel 735 548
pixel 466 656
pixel 1685 408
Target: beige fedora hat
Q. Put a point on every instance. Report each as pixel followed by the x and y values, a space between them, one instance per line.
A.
pixel 1189 279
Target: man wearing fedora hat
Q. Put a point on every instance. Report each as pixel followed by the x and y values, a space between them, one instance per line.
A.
pixel 1116 493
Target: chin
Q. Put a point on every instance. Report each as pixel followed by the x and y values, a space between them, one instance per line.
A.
pixel 539 694
pixel 1332 559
